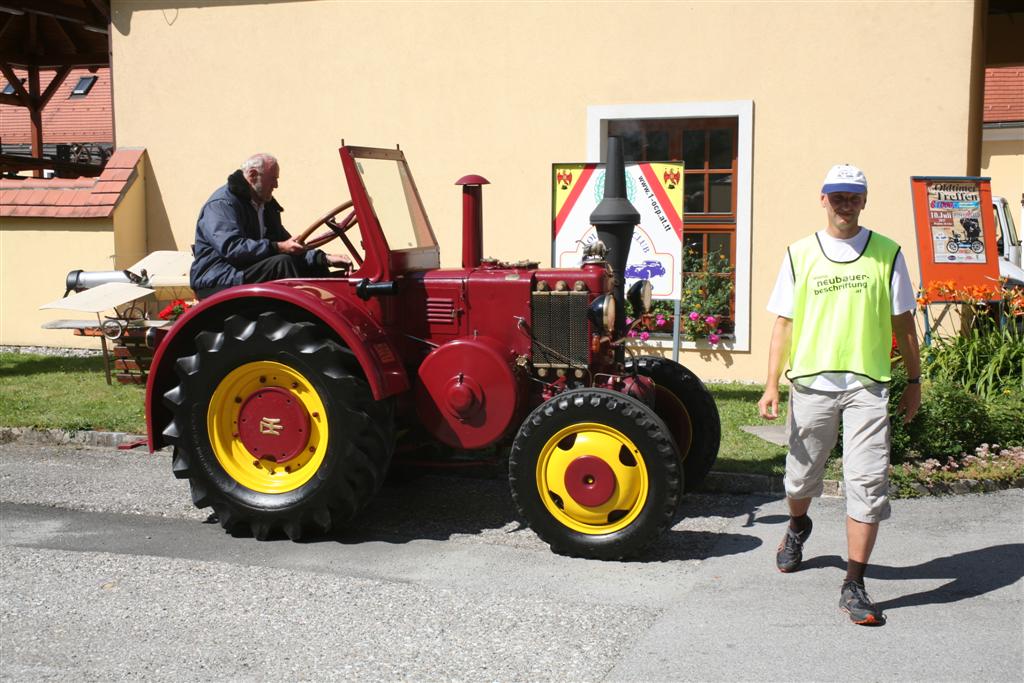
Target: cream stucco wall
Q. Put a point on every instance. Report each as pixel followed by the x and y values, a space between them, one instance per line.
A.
pixel 1002 159
pixel 130 244
pixel 36 255
pixel 503 90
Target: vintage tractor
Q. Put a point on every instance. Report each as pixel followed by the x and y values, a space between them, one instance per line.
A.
pixel 284 401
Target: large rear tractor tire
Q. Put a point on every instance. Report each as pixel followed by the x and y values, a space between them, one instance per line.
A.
pixel 274 428
pixel 689 410
pixel 596 474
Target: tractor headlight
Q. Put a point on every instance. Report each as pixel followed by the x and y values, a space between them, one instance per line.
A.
pixel 639 297
pixel 602 312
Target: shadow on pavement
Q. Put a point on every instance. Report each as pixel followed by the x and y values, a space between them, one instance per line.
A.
pixel 971 573
pixel 441 507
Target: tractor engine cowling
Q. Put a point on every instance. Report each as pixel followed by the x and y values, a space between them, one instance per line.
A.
pixel 467 394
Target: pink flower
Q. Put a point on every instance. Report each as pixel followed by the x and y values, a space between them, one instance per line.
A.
pixel 660 321
pixel 629 321
pixel 694 316
pixel 632 333
pixel 644 336
pixel 714 338
pixel 711 320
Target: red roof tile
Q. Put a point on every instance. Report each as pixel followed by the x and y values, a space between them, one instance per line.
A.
pixel 66 119
pixel 1004 94
pixel 116 173
pixel 71 198
pixel 124 158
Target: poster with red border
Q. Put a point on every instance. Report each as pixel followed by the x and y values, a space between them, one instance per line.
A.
pixel 955 229
pixel 654 189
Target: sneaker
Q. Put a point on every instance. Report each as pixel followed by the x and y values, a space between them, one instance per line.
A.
pixel 791 549
pixel 854 601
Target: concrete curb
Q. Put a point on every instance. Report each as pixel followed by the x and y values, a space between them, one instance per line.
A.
pixel 736 482
pixel 63 436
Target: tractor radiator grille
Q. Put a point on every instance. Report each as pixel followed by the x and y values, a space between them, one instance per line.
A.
pixel 560 324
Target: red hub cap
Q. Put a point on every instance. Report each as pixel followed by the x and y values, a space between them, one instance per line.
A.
pixel 590 481
pixel 273 423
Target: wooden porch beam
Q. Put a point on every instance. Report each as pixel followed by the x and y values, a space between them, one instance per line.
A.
pixel 15 81
pixel 51 89
pixel 103 7
pixel 22 60
pixel 72 32
pixel 35 114
pixel 6 23
pixel 52 9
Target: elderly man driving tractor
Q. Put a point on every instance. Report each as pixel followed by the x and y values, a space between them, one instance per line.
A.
pixel 240 238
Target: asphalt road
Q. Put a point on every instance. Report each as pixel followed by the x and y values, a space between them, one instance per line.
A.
pixel 108 573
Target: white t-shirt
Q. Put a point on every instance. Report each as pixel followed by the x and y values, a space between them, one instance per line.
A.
pixel 901 292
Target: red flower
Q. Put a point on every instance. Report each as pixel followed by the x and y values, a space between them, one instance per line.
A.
pixel 174 310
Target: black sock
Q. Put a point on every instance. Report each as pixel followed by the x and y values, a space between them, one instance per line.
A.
pixel 855 571
pixel 800 523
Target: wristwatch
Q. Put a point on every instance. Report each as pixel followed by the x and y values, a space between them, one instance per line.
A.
pixel 914 380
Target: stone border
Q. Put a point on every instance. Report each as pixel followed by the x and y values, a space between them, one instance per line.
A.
pixel 64 436
pixel 736 482
pixel 963 486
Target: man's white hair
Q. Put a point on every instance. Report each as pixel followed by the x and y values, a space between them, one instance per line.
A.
pixel 259 162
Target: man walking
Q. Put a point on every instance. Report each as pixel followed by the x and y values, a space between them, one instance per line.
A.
pixel 840 296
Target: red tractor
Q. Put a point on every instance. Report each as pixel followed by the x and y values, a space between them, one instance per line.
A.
pixel 283 401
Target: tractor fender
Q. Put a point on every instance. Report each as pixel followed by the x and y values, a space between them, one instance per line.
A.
pixel 377 356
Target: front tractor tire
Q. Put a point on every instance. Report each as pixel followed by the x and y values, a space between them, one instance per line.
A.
pixel 596 474
pixel 689 410
pixel 273 428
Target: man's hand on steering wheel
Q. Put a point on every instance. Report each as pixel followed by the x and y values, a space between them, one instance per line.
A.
pixel 339 261
pixel 290 246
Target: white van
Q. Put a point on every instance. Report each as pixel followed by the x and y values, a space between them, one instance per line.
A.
pixel 1008 243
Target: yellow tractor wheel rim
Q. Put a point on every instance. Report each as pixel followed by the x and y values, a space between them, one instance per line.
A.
pixel 586 440
pixel 222 422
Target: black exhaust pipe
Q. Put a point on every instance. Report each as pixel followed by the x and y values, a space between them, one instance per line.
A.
pixel 615 219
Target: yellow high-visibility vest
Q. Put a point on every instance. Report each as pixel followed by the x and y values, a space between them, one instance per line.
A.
pixel 842 311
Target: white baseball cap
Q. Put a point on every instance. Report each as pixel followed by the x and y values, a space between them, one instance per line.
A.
pixel 844 178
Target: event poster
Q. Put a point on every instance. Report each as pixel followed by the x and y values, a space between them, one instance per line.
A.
pixel 955 229
pixel 954 216
pixel 654 189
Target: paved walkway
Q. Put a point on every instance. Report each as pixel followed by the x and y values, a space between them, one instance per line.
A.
pixel 108 573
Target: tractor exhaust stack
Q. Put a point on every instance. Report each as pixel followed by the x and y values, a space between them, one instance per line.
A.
pixel 472 219
pixel 615 218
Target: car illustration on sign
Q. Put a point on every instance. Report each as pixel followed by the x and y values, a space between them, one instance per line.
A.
pixel 646 270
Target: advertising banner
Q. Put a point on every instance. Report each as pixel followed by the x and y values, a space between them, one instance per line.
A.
pixel 655 189
pixel 956 238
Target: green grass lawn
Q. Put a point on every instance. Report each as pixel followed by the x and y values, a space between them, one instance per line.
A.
pixel 742 452
pixel 71 393
pixel 66 393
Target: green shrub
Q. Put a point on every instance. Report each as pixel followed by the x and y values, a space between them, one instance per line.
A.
pixel 987 359
pixel 951 420
pixel 899 432
pixel 1006 418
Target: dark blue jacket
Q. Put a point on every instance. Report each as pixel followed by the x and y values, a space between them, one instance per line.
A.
pixel 228 236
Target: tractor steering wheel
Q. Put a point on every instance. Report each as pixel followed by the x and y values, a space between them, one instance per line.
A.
pixel 337 230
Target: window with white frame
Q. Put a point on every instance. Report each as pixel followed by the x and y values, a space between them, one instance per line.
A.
pixel 713 139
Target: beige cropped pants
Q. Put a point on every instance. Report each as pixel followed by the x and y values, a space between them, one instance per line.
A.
pixel 813 430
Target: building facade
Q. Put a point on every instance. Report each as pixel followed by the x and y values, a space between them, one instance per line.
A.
pixel 758 99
